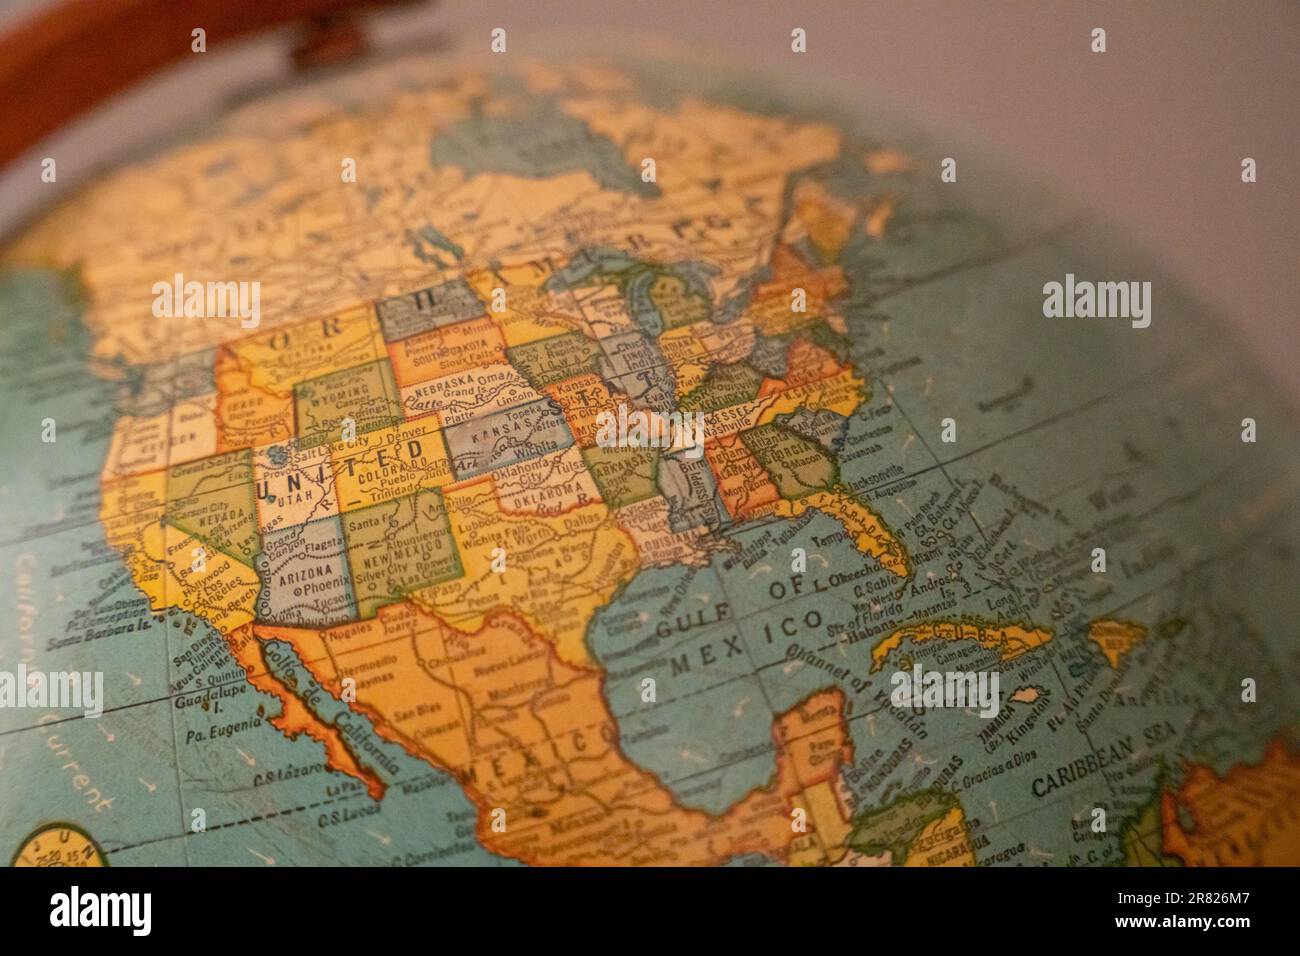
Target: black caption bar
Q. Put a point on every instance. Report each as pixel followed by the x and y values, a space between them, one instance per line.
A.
pixel 240 905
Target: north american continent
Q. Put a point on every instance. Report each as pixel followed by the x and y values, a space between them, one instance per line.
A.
pixel 398 476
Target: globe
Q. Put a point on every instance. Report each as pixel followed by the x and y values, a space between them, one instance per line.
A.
pixel 582 463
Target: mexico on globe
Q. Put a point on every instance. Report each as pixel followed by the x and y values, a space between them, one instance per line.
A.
pixel 484 436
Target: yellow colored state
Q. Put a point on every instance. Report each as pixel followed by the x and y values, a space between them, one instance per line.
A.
pixel 1009 640
pixel 1116 638
pixel 864 526
pixel 522 310
pixel 224 593
pixel 727 343
pixel 830 825
pixel 184 432
pixel 558 569
pixel 390 463
pixel 840 393
pixel 687 356
pixel 279 358
pixel 129 505
pixel 161 557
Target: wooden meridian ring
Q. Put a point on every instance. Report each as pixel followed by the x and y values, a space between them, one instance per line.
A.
pixel 61 62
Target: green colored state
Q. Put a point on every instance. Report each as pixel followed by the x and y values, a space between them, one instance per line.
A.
pixel 894 827
pixel 556 358
pixel 678 305
pixel 798 466
pixel 212 499
pixel 623 475
pixel 366 395
pixel 398 547
pixel 724 386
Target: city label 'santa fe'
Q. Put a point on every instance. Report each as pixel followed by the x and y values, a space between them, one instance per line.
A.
pixel 565 464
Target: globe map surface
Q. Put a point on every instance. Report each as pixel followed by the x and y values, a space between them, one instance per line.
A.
pixel 468 632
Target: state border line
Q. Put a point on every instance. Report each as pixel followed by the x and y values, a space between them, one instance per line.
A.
pixel 243 681
pixel 1087 405
pixel 1000 823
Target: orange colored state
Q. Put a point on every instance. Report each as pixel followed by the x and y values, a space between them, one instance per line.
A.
pixel 771 305
pixel 806 363
pixel 447 350
pixel 248 416
pixel 534 746
pixel 1248 817
pixel 743 483
pixel 581 399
